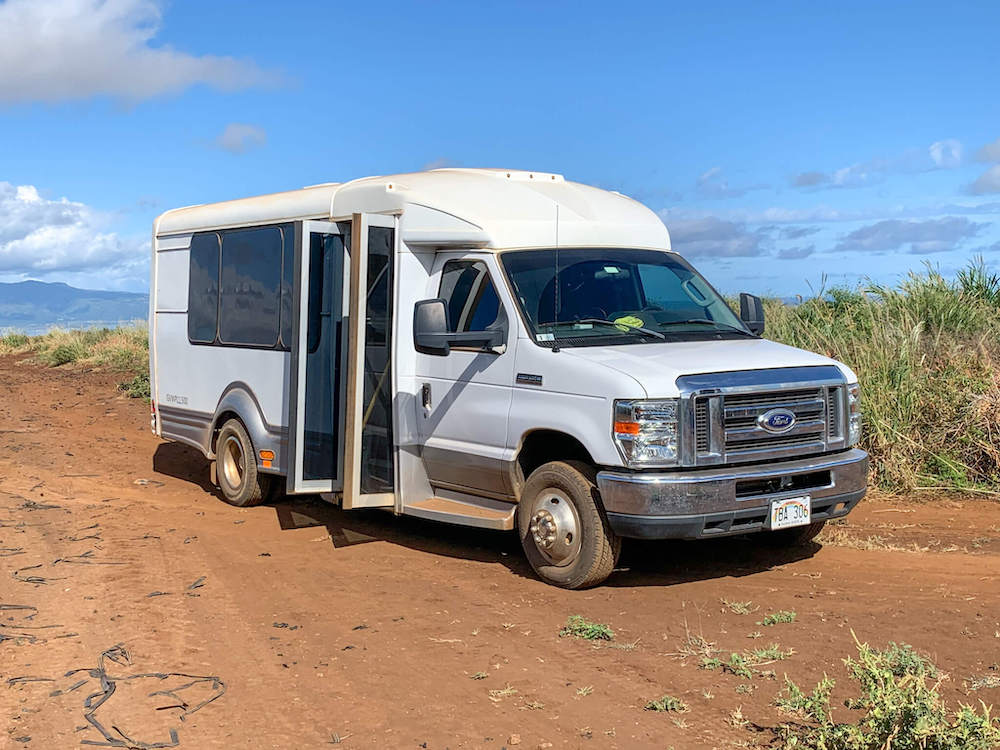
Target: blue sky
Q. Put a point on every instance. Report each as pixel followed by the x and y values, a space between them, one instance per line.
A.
pixel 780 142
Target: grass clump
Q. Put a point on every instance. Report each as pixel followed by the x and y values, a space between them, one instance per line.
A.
pixel 899 709
pixel 739 608
pixel 667 703
pixel 781 616
pixel 926 352
pixel 580 627
pixel 13 342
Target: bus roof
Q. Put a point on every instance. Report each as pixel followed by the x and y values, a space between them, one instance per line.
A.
pixel 487 208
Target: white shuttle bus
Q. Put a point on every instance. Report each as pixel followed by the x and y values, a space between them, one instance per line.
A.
pixel 494 348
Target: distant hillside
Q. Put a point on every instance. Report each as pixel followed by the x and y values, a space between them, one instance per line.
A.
pixel 34 307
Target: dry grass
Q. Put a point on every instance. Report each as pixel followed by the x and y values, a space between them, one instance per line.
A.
pixel 124 350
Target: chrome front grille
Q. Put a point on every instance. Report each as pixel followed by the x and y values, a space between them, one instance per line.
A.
pixel 728 427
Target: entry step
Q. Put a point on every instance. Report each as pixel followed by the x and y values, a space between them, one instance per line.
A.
pixel 468 511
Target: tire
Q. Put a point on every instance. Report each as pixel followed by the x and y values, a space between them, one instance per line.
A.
pixel 797 537
pixel 236 467
pixel 563 528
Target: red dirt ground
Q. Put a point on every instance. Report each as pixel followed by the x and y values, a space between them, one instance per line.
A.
pixel 361 629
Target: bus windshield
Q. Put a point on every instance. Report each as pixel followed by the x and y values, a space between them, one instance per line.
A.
pixel 600 296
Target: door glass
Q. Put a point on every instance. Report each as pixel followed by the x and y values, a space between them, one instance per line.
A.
pixel 322 417
pixel 469 293
pixel 377 473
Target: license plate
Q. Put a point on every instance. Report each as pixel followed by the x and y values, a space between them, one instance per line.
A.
pixel 789 512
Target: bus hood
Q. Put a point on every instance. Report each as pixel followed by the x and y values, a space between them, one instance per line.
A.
pixel 657 366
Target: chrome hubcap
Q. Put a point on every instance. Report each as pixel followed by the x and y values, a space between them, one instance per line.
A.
pixel 555 527
pixel 233 462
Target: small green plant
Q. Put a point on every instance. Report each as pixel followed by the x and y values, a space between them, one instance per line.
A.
pixel 579 627
pixel 137 387
pixel 767 655
pixel 667 703
pixel 782 615
pixel 898 707
pixel 737 664
pixel 480 676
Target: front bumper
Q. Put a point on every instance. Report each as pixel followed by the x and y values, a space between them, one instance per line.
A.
pixel 728 500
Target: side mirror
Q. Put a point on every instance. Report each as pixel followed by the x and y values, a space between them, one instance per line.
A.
pixel 433 335
pixel 430 327
pixel 752 313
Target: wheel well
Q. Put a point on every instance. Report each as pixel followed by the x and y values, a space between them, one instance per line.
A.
pixel 541 446
pixel 221 420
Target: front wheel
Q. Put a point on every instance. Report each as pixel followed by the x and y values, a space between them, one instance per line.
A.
pixel 562 526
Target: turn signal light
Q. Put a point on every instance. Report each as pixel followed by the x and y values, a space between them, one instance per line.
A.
pixel 626 428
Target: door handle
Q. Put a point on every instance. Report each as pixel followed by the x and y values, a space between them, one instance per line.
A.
pixel 425 396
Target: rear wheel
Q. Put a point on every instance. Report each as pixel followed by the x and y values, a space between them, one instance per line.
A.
pixel 236 467
pixel 796 537
pixel 563 529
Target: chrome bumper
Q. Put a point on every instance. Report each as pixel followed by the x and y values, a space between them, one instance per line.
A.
pixel 728 500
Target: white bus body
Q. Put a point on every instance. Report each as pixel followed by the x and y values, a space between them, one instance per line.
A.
pixel 494 348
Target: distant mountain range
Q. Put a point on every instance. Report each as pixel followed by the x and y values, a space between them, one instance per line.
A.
pixel 34 307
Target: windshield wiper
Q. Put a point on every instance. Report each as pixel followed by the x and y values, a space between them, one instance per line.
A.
pixel 601 321
pixel 704 322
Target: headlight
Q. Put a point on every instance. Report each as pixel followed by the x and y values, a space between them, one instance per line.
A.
pixel 853 414
pixel 646 431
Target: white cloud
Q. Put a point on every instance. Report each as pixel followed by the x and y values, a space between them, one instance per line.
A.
pixel 944 154
pixel 239 137
pixel 713 237
pixel 796 253
pixel 713 184
pixel 54 50
pixel 922 237
pixel 988 182
pixel 66 241
pixel 990 152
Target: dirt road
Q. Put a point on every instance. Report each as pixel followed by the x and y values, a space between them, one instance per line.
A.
pixel 298 626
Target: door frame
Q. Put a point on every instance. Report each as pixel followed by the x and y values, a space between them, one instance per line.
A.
pixel 354 408
pixel 295 483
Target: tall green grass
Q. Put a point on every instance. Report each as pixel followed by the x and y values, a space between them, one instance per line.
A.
pixel 925 352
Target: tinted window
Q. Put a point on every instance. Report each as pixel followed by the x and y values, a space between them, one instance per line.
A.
pixel 287 283
pixel 203 288
pixel 469 293
pixel 576 296
pixel 249 293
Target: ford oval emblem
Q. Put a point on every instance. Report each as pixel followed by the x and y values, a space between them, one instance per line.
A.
pixel 777 420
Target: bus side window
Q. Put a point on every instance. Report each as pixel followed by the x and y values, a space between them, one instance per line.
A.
pixel 203 288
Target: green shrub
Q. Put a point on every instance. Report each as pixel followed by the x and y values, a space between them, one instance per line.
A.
pixel 579 627
pixel 137 387
pixel 898 709
pixel 62 354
